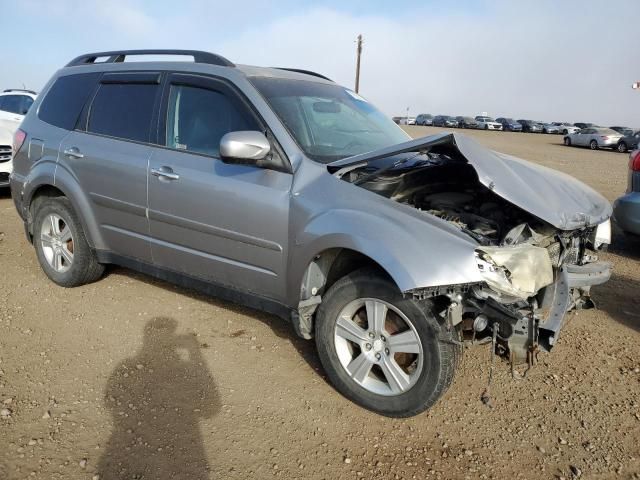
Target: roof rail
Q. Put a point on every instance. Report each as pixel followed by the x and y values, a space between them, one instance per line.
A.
pixel 306 72
pixel 19 90
pixel 119 56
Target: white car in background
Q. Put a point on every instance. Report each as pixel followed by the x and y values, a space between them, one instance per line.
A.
pixel 487 123
pixel 14 105
pixel 566 128
pixel 6 164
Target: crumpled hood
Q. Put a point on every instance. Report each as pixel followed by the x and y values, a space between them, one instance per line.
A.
pixel 555 197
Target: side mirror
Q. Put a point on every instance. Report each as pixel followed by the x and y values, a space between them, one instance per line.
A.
pixel 244 147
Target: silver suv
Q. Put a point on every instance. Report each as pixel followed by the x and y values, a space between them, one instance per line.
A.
pixel 278 189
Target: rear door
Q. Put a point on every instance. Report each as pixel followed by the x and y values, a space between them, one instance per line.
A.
pixel 109 154
pixel 224 223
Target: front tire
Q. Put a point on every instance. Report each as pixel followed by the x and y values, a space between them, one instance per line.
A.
pixel 61 245
pixel 622 147
pixel 567 141
pixel 381 350
pixel 593 145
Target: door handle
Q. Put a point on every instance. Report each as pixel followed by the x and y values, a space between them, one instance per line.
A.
pixel 164 172
pixel 73 152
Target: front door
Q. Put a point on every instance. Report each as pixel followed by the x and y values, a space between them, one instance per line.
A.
pixel 224 223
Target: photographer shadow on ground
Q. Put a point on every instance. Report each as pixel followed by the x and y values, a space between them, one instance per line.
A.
pixel 157 400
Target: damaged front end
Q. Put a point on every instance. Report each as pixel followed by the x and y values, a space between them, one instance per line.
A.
pixel 537 233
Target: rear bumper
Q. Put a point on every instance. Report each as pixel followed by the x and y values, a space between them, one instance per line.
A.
pixel 626 212
pixel 572 281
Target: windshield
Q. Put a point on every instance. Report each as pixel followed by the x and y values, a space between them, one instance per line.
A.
pixel 327 121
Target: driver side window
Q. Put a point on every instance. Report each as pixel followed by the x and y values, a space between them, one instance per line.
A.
pixel 198 118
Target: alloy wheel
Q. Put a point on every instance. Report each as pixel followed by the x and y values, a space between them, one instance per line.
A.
pixel 56 240
pixel 378 346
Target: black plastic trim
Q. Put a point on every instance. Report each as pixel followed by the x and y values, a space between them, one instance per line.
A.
pixel 306 72
pixel 224 292
pixel 152 78
pixel 119 56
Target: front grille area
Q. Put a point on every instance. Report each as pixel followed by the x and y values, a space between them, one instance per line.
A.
pixel 4 178
pixel 5 153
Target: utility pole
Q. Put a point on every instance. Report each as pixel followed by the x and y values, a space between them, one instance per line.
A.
pixel 358 53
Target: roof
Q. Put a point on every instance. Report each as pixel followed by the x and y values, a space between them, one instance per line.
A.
pixel 199 58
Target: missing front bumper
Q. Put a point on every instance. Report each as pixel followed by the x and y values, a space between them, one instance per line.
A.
pixel 570 289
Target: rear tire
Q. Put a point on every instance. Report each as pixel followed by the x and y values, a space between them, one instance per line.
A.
pixel 61 245
pixel 567 141
pixel 593 145
pixel 427 365
pixel 622 147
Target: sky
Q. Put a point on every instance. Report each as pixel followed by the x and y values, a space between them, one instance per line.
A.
pixel 543 60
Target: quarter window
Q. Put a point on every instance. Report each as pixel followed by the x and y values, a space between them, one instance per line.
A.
pixel 123 110
pixel 63 102
pixel 198 118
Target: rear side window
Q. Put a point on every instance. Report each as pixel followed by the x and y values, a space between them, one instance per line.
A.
pixel 123 110
pixel 63 103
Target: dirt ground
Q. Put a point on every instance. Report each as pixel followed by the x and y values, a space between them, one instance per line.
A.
pixel 133 378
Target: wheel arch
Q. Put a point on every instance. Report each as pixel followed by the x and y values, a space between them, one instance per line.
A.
pixel 79 202
pixel 323 270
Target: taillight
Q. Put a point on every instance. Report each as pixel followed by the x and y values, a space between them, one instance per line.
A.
pixel 18 139
pixel 604 137
pixel 634 161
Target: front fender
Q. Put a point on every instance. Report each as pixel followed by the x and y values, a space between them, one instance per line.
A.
pixel 414 253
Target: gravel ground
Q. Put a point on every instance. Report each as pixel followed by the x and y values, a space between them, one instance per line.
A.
pixel 133 378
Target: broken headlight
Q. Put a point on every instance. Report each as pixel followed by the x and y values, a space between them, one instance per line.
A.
pixel 517 271
pixel 602 235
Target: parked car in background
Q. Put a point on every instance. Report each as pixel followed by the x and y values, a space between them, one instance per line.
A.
pixel 582 125
pixel 566 128
pixel 406 120
pixel 6 142
pixel 467 122
pixel 372 243
pixel 530 126
pixel 626 209
pixel 424 119
pixel 548 127
pixel 630 141
pixel 509 124
pixel 444 121
pixel 594 138
pixel 487 123
pixel 14 105
pixel 622 130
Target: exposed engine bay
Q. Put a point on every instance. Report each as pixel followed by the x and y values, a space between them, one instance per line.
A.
pixel 532 271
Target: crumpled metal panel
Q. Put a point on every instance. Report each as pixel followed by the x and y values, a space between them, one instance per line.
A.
pixel 555 197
